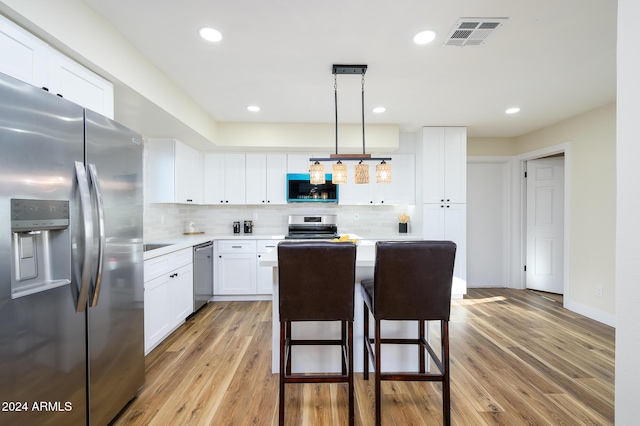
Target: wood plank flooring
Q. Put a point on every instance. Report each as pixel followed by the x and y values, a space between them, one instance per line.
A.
pixel 516 359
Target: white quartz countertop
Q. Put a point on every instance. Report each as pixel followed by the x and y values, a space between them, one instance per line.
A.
pixel 184 241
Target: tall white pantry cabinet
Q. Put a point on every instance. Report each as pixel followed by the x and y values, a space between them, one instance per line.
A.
pixel 444 194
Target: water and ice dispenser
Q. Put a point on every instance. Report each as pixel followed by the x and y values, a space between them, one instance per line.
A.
pixel 40 246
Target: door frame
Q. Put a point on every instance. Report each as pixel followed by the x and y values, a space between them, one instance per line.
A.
pixel 519 203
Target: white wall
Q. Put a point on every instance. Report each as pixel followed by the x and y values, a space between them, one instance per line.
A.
pixel 628 216
pixel 592 211
pixel 488 222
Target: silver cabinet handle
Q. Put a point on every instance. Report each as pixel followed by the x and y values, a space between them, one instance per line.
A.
pixel 87 222
pixel 93 175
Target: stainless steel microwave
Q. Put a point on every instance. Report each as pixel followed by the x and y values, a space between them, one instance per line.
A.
pixel 300 189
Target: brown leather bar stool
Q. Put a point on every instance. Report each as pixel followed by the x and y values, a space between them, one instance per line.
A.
pixel 316 283
pixel 412 281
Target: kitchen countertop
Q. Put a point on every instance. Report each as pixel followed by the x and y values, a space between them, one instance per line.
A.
pixel 183 241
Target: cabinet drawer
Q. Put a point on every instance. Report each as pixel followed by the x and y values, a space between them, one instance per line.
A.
pixel 181 257
pixel 265 246
pixel 157 266
pixel 153 268
pixel 233 246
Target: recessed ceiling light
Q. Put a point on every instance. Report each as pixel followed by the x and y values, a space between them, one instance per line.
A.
pixel 379 110
pixel 253 108
pixel 512 110
pixel 210 34
pixel 424 37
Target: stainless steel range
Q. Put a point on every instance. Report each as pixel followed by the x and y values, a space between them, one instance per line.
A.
pixel 312 227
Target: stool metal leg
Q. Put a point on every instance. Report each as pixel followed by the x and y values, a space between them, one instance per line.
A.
pixel 446 389
pixel 378 378
pixel 352 411
pixel 421 348
pixel 282 373
pixel 365 371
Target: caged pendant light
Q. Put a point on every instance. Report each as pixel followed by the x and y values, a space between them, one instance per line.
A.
pixel 339 170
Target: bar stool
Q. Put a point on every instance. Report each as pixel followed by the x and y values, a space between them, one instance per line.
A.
pixel 316 283
pixel 412 281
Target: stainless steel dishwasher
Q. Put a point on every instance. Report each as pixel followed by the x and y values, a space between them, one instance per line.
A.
pixel 202 274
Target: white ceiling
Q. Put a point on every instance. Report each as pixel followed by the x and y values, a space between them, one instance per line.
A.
pixel 552 58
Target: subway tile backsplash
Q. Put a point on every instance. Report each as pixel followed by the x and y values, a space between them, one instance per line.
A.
pixel 169 220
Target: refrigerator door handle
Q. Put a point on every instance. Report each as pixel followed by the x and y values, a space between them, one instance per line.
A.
pixel 85 204
pixel 93 174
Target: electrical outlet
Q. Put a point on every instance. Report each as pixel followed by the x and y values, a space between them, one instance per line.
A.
pixel 161 218
pixel 254 217
pixel 599 290
pixel 356 216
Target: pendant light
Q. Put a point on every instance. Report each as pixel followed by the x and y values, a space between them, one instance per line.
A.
pixel 339 170
pixel 383 173
pixel 316 174
pixel 361 173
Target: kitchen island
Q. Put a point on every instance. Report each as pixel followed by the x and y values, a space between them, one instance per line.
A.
pixel 327 359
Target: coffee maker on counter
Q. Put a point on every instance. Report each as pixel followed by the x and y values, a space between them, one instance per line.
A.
pixel 248 226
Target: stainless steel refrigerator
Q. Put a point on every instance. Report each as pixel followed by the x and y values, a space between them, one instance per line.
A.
pixel 71 284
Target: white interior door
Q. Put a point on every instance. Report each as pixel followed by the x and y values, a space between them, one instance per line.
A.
pixel 545 224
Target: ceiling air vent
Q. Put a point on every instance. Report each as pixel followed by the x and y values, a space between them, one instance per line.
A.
pixel 472 31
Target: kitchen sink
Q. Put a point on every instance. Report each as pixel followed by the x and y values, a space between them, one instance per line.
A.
pixel 147 247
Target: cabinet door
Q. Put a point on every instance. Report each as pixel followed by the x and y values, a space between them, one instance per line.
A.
pixel 352 193
pixel 449 222
pixel 180 294
pixel 444 178
pixel 298 163
pixel 188 174
pixel 156 306
pixel 214 179
pixel 402 188
pixel 24 56
pixel 276 178
pixel 256 184
pixel 236 273
pixel 234 179
pixel 433 165
pixel 76 83
pixel 455 165
pixel 264 277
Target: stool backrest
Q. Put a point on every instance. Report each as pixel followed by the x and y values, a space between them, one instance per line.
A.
pixel 316 280
pixel 412 279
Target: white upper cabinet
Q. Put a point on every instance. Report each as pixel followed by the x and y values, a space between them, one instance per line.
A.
pixel 224 178
pixel 266 177
pixel 401 189
pixel 175 172
pixel 74 82
pixel 298 163
pixel 24 56
pixel 29 59
pixel 445 164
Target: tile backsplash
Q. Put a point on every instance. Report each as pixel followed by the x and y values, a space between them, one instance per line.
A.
pixel 169 220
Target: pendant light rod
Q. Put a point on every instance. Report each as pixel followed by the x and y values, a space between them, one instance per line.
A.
pixel 352 70
pixel 363 150
pixel 335 103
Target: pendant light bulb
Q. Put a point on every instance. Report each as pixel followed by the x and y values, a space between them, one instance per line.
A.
pixel 383 172
pixel 339 173
pixel 316 174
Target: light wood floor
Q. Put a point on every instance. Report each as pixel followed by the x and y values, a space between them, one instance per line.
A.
pixel 516 359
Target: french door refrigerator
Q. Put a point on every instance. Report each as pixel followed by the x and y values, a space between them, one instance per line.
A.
pixel 71 285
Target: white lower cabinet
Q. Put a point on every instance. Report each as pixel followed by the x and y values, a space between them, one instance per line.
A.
pixel 168 295
pixel 236 267
pixel 238 272
pixel 265 273
pixel 449 222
